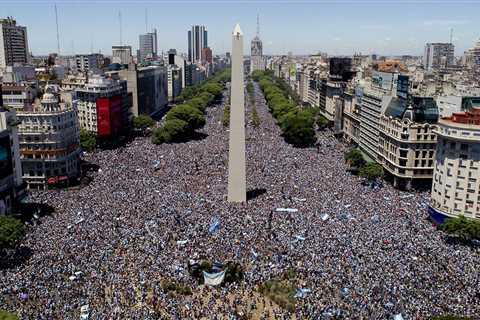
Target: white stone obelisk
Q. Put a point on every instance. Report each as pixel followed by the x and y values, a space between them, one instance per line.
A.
pixel 237 185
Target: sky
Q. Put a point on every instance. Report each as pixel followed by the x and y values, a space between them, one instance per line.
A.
pixel 341 27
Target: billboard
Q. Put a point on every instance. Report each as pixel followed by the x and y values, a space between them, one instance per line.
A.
pixel 341 69
pixel 109 115
pixel 6 167
pixel 402 86
pixel 383 80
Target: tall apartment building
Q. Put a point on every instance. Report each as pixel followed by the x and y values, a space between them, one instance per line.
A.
pixel 13 43
pixel 456 187
pixel 406 144
pixel 88 62
pixel 12 188
pixel 49 142
pixel 197 40
pixel 104 106
pixel 148 87
pixel 148 46
pixel 438 55
pixel 122 54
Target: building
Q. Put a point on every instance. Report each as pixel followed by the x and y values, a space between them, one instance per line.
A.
pixel 88 62
pixel 12 188
pixel 351 118
pixel 49 142
pixel 147 46
pixel 72 82
pixel 406 144
pixel 148 87
pixel 18 96
pixel 122 54
pixel 13 43
pixel 18 73
pixel 456 188
pixel 473 56
pixel 174 81
pixel 257 62
pixel 104 106
pixel 207 56
pixel 179 61
pixel 197 40
pixel 438 55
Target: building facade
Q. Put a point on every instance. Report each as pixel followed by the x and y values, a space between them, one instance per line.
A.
pixel 122 54
pixel 406 147
pixel 13 43
pixel 147 46
pixel 197 40
pixel 456 187
pixel 148 87
pixel 18 96
pixel 12 188
pixel 49 143
pixel 438 55
pixel 257 62
pixel 174 82
pixel 104 106
pixel 88 62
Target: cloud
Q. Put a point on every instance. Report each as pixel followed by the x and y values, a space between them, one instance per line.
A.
pixel 388 39
pixel 445 22
pixel 337 39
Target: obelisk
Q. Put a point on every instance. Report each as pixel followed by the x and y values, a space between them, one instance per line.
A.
pixel 237 186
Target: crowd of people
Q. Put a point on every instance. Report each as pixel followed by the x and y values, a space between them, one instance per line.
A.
pixel 362 252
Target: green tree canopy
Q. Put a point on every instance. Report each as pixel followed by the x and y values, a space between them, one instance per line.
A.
pixel 298 129
pixel 191 115
pixel 4 315
pixel 371 171
pixel 213 88
pixel 173 130
pixel 143 122
pixel 466 229
pixel 355 158
pixel 11 232
pixel 88 140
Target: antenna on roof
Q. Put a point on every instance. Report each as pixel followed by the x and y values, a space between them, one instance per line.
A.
pixel 58 36
pixel 258 25
pixel 146 20
pixel 120 22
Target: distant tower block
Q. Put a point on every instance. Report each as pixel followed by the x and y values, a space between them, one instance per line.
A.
pixel 237 186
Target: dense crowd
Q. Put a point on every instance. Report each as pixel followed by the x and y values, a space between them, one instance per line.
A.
pixel 362 252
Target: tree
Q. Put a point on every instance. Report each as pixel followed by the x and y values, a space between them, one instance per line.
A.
pixel 213 88
pixel 355 158
pixel 462 227
pixel 88 140
pixel 11 232
pixel 198 103
pixel 226 116
pixel 191 115
pixel 371 171
pixel 173 130
pixel 4 315
pixel 298 129
pixel 143 122
pixel 322 122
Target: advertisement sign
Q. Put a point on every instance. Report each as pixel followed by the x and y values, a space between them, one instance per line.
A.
pixel 402 86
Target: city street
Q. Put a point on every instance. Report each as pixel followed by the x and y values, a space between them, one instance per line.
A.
pixel 364 253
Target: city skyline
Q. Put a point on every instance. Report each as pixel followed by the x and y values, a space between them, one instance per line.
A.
pixel 303 27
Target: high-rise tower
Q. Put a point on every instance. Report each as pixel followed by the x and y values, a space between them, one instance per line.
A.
pixel 256 54
pixel 237 186
pixel 197 40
